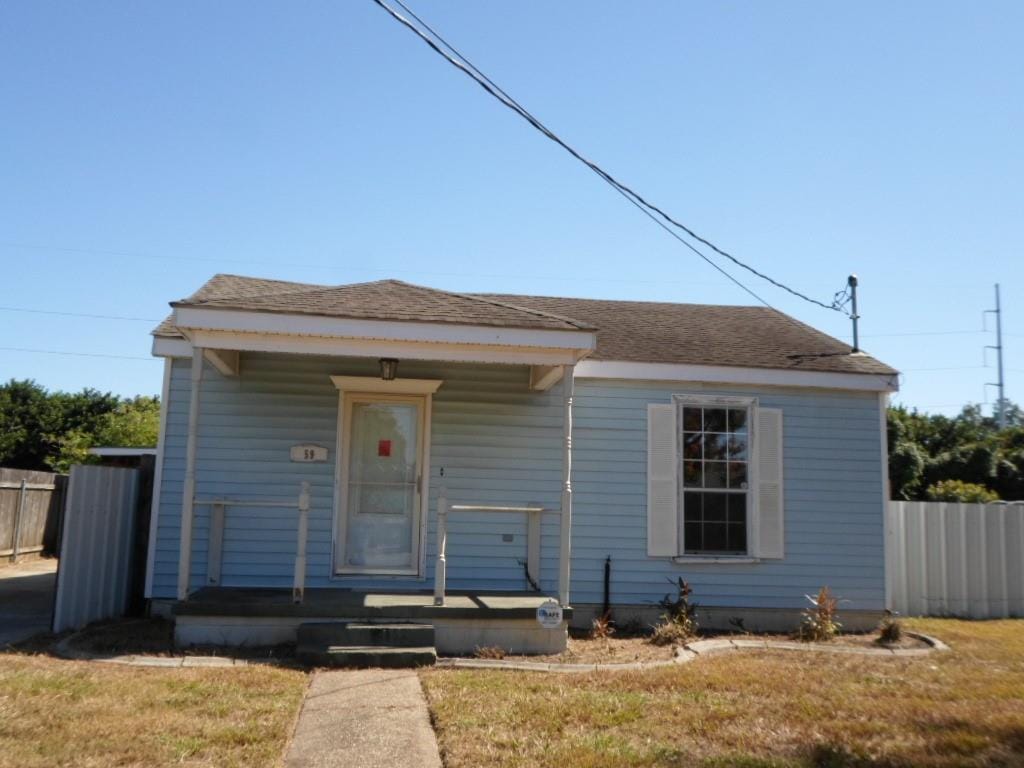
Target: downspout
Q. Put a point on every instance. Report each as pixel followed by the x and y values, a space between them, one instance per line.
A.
pixel 566 517
pixel 189 490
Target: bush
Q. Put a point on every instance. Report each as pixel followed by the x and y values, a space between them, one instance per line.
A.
pixel 489 652
pixel 890 630
pixel 679 623
pixel 819 621
pixel 601 628
pixel 959 491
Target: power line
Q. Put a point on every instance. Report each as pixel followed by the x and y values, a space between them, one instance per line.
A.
pixel 74 354
pixel 75 314
pixel 920 333
pixel 463 64
pixel 952 368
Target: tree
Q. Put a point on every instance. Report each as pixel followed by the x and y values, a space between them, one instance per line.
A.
pixel 958 490
pixel 133 423
pixel 53 430
pixel 928 451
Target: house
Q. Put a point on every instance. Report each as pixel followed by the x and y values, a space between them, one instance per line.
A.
pixel 385 452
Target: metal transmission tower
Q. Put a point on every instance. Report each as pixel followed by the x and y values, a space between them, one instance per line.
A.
pixel 998 347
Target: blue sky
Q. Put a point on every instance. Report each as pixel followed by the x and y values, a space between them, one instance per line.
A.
pixel 146 146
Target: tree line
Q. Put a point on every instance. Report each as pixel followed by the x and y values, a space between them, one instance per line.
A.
pixel 956 458
pixel 50 431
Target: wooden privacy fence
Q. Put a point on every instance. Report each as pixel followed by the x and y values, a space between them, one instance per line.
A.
pixel 95 574
pixel 946 559
pixel 30 511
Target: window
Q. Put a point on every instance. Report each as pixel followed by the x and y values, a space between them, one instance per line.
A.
pixel 714 493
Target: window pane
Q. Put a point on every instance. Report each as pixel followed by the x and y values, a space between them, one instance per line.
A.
pixel 738 474
pixel 738 447
pixel 737 542
pixel 692 420
pixel 693 504
pixel 693 541
pixel 715 537
pixel 715 507
pixel 691 445
pixel 737 508
pixel 715 420
pixel 738 420
pixel 714 474
pixel 693 476
pixel 714 446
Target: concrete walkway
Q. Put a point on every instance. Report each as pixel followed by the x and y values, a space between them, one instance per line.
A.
pixel 26 599
pixel 367 718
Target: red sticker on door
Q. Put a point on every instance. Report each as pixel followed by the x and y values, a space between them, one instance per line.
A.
pixel 383 447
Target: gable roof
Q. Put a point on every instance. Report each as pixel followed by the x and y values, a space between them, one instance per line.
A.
pixel 704 334
pixel 378 300
pixel 630 331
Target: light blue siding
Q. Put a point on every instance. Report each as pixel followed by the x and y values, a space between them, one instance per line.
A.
pixel 833 501
pixel 497 442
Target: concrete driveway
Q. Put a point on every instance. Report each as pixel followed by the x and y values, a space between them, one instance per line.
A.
pixel 26 599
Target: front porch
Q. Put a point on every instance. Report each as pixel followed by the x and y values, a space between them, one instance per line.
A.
pixel 466 621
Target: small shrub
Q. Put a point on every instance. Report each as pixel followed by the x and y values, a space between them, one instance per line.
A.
pixel 959 491
pixel 602 628
pixel 890 630
pixel 819 621
pixel 489 652
pixel 679 623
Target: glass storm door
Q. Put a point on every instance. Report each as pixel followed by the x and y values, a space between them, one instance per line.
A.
pixel 380 493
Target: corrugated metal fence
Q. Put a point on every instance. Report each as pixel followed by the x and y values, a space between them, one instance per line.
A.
pixel 96 549
pixel 30 507
pixel 947 559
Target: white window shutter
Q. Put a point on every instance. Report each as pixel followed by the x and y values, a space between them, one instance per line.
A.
pixel 662 509
pixel 771 536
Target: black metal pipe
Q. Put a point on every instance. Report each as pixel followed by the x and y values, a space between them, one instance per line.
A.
pixel 606 607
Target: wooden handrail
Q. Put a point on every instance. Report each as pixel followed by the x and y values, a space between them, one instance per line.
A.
pixel 444 508
pixel 216 533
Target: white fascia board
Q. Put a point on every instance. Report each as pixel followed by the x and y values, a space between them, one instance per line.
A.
pixel 168 347
pixel 190 318
pixel 397 386
pixel 771 377
pixel 403 350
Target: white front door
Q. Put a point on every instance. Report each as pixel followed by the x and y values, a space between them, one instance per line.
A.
pixel 381 482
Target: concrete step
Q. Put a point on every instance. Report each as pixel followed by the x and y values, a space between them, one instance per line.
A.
pixel 363 656
pixel 353 633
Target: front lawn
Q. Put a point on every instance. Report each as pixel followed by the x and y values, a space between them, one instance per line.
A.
pixel 751 709
pixel 82 714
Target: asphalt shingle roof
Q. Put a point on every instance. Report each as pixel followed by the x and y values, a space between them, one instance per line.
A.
pixel 634 331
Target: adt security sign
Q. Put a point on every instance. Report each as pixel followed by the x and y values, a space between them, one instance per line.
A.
pixel 549 614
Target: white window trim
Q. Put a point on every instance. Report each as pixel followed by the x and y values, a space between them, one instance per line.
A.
pixel 701 400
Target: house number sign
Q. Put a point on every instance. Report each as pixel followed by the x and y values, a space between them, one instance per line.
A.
pixel 309 453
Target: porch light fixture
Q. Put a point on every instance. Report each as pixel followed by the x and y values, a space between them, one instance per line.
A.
pixel 388 368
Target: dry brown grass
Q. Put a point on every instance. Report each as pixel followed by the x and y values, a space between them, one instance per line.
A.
pixel 964 708
pixel 82 714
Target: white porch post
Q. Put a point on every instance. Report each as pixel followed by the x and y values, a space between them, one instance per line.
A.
pixel 564 551
pixel 299 581
pixel 441 566
pixel 189 491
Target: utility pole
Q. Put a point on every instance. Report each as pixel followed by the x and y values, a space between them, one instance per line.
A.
pixel 1000 384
